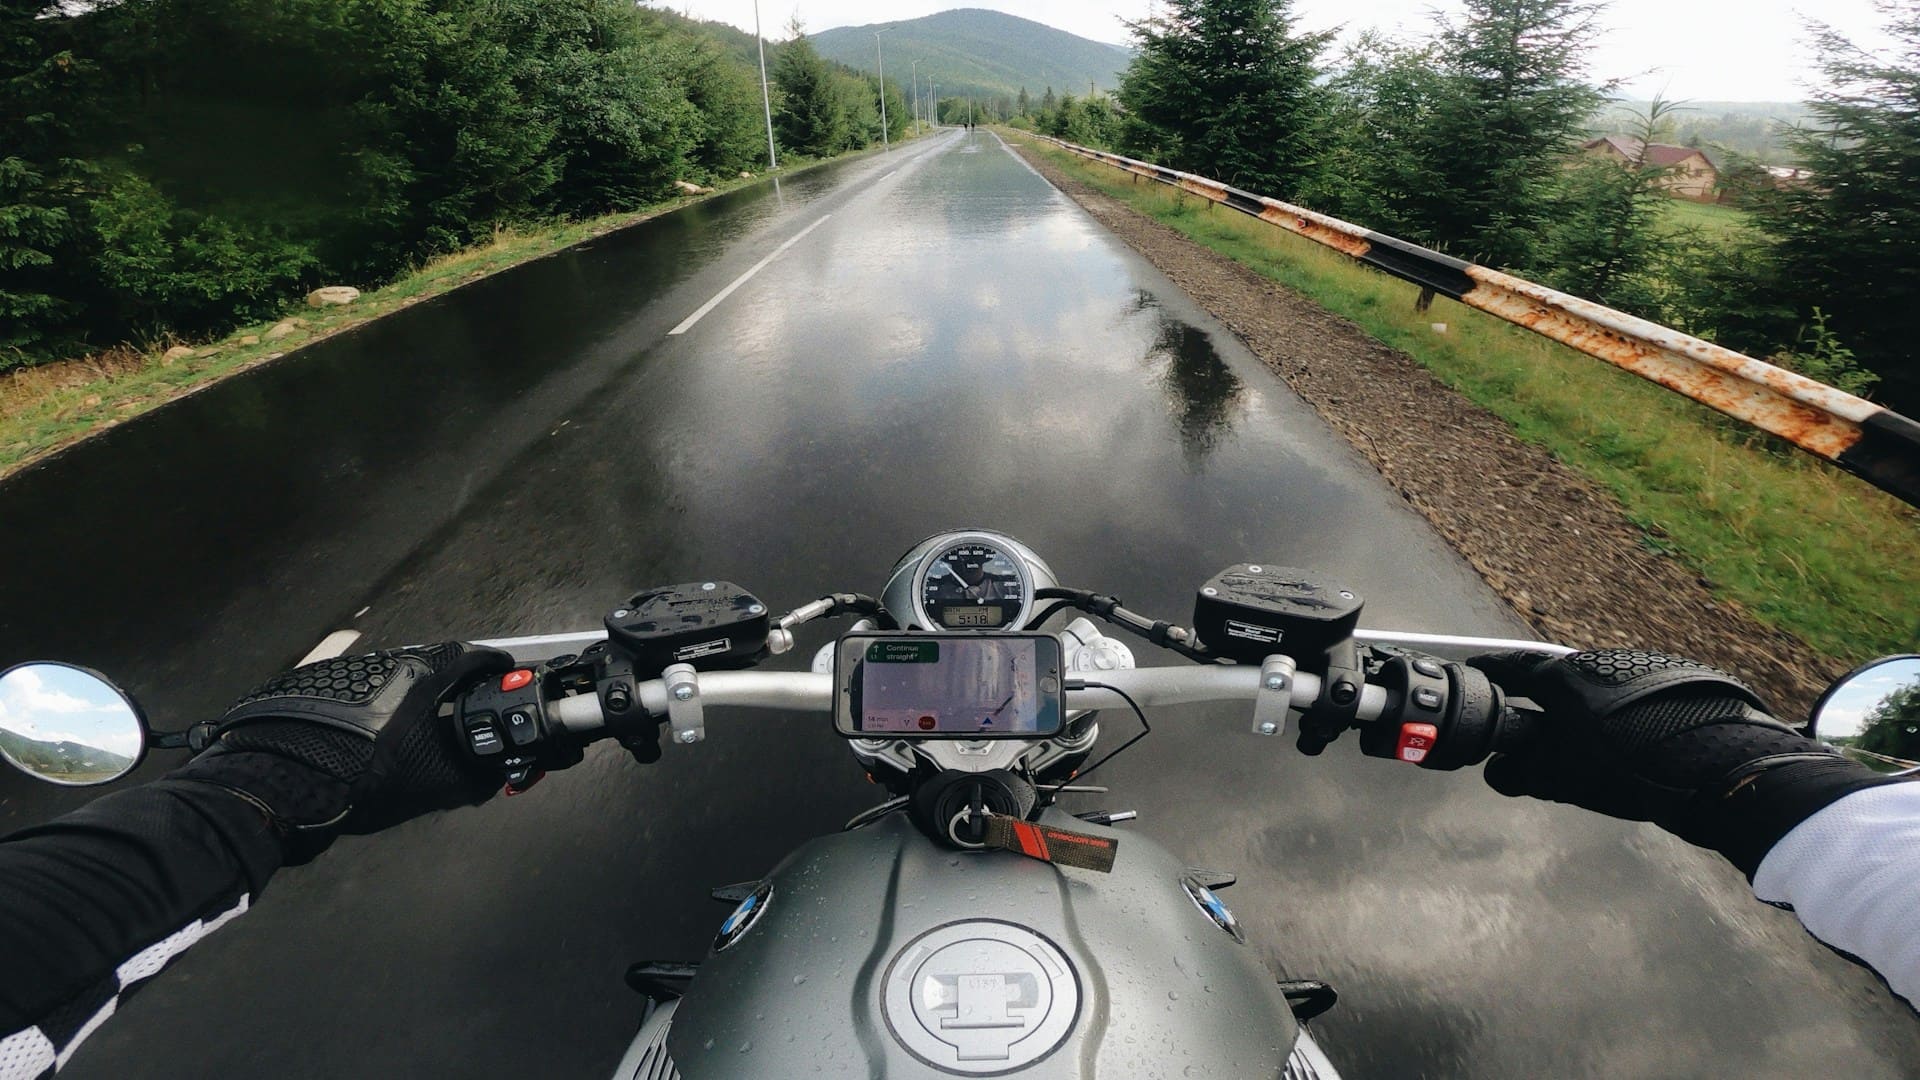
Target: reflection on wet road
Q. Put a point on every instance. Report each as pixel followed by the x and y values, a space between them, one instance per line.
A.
pixel 955 344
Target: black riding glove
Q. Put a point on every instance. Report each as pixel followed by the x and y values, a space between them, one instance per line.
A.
pixel 1650 737
pixel 351 744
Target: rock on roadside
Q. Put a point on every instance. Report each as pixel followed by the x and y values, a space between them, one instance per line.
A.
pixel 332 296
pixel 178 352
pixel 281 329
pixel 687 188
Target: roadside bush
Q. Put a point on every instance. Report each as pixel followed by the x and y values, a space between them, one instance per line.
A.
pixel 162 267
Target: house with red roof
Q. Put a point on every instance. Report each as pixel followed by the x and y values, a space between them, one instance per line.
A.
pixel 1692 176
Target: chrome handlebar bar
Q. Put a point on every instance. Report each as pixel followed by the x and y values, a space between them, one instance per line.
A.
pixel 806 691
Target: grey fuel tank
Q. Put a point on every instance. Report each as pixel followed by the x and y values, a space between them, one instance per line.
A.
pixel 875 953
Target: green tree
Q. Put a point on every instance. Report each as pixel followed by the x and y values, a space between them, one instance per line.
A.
pixel 727 136
pixel 1608 239
pixel 1892 727
pixel 1382 96
pixel 1512 102
pixel 811 115
pixel 1023 106
pixel 1048 102
pixel 1848 240
pixel 42 187
pixel 1227 88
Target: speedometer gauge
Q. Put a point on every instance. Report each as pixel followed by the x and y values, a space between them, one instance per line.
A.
pixel 973 585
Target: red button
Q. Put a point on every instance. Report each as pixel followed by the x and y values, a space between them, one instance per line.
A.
pixel 1415 741
pixel 514 680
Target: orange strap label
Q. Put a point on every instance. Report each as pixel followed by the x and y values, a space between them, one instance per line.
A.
pixel 1048 844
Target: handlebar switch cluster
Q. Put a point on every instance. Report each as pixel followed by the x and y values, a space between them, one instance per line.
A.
pixel 503 725
pixel 1422 707
pixel 1440 715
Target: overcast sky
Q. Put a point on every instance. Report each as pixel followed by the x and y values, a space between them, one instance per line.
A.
pixel 1706 50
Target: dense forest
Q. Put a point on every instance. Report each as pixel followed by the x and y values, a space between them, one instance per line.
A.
pixel 179 166
pixel 1465 140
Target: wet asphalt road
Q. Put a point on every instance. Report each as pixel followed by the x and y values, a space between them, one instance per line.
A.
pixel 956 343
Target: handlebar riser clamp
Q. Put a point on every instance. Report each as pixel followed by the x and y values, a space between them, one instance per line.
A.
pixel 1274 695
pixel 685 716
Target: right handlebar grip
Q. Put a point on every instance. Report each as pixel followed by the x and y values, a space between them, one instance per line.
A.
pixel 1517 729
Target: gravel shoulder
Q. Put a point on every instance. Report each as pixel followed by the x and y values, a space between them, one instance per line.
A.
pixel 1558 548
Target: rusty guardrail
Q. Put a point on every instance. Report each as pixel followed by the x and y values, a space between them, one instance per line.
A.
pixel 1876 444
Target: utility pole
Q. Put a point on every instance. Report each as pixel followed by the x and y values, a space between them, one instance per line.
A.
pixel 933 94
pixel 914 78
pixel 766 99
pixel 886 142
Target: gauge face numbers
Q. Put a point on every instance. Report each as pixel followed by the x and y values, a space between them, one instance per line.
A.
pixel 973 586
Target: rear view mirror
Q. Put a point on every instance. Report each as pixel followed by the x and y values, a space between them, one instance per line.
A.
pixel 1873 714
pixel 68 725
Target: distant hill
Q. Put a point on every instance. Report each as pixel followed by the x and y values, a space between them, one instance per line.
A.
pixel 61 759
pixel 1751 128
pixel 979 53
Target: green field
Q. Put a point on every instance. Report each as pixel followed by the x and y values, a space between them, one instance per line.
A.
pixel 1712 219
pixel 1799 544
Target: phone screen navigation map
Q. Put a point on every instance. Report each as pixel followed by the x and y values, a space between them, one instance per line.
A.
pixel 970 686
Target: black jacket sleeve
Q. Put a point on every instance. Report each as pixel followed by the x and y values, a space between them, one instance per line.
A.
pixel 96 901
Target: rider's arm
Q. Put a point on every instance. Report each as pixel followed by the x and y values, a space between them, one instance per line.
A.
pixel 104 897
pixel 1851 872
pixel 1651 737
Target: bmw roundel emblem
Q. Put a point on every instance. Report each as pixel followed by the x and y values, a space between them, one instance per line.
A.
pixel 1212 908
pixel 744 917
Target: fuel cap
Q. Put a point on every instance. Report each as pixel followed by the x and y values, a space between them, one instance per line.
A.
pixel 981 997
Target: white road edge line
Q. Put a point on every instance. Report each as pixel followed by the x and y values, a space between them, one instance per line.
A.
pixel 889 176
pixel 744 278
pixel 332 645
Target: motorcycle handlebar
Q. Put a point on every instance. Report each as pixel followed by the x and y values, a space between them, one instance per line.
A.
pixel 806 691
pixel 1410 710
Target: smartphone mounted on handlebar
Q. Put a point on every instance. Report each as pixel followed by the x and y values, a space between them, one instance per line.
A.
pixel 949 686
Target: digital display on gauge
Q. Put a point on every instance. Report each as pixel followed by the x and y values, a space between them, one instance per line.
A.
pixel 966 618
pixel 973 586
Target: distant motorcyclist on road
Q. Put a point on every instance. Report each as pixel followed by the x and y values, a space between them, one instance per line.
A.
pixel 99 900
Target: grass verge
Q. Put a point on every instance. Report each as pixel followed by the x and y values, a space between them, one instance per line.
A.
pixel 1799 544
pixel 51 406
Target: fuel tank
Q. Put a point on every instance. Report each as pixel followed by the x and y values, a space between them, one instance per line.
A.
pixel 876 953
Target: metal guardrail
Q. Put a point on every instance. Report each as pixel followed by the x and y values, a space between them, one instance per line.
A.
pixel 1876 444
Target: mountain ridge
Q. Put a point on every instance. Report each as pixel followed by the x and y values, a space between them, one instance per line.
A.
pixel 975 52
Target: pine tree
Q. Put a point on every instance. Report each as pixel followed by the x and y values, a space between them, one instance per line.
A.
pixel 1024 106
pixel 811 118
pixel 1513 101
pixel 1227 88
pixel 1848 240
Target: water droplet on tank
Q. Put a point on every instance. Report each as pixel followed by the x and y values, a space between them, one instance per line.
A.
pixel 708 1045
pixel 746 1046
pixel 798 979
pixel 1173 995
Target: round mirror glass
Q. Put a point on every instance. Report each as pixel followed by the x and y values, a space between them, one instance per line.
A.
pixel 1874 714
pixel 67 725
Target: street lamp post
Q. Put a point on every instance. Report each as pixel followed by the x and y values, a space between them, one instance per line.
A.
pixel 766 99
pixel 886 142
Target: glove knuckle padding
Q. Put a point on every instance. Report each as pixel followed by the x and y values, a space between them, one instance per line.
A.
pixel 368 723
